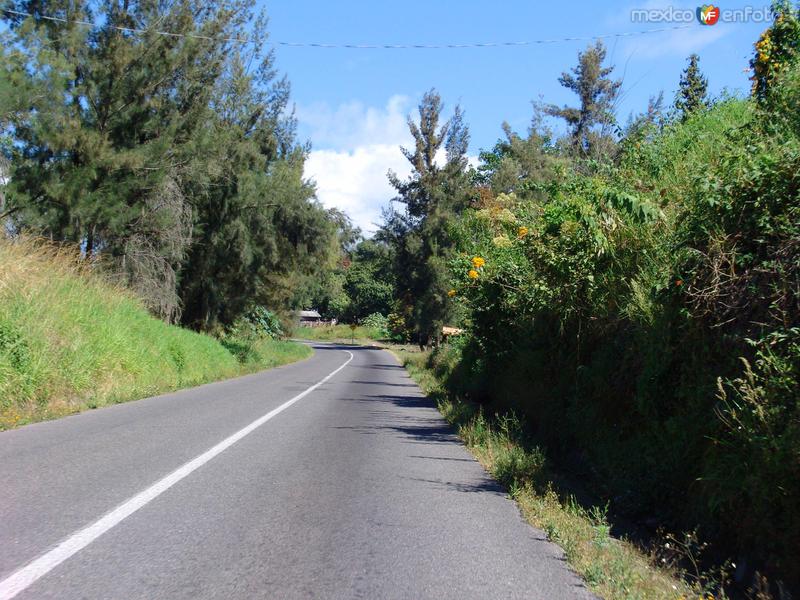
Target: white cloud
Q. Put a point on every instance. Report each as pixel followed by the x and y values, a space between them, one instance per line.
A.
pixel 353 148
pixel 355 180
pixel 353 124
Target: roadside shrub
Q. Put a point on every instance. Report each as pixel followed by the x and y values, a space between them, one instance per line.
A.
pixel 743 283
pixel 264 323
pixel 398 327
pixel 378 322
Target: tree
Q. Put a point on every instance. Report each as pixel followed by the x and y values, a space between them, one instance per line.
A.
pixel 597 93
pixel 101 152
pixel 693 90
pixel 518 164
pixel 169 158
pixel 370 280
pixel 323 287
pixel 432 196
pixel 648 123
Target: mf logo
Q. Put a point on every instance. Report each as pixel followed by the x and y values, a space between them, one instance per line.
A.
pixel 708 14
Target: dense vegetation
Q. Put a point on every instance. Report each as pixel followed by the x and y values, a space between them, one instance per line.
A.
pixel 170 160
pixel 71 340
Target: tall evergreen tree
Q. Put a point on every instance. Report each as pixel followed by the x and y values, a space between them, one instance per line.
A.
pixel 101 156
pixel 590 122
pixel 172 158
pixel 433 195
pixel 255 223
pixel 693 90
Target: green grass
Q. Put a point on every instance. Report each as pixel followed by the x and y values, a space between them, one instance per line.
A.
pixel 340 333
pixel 274 353
pixel 70 341
pixel 612 568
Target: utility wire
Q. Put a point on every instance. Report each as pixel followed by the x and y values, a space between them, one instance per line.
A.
pixel 365 46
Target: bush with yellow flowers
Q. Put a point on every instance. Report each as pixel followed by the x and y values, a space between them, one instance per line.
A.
pixel 777 48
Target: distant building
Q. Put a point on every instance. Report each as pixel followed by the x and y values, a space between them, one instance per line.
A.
pixel 309 317
pixel 448 332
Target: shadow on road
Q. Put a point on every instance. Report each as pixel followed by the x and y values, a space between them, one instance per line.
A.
pixel 485 485
pixel 408 385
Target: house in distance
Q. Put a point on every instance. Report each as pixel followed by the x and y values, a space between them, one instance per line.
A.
pixel 310 318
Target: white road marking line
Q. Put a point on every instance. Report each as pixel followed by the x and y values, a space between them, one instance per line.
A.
pixel 27 575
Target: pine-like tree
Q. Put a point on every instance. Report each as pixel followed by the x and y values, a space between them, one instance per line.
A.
pixel 591 121
pixel 693 90
pixel 433 196
pixel 255 223
pixel 170 157
pixel 101 153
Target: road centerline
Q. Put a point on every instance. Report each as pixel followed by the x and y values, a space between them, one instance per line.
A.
pixel 24 577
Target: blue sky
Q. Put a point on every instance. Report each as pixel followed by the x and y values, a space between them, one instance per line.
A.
pixel 352 103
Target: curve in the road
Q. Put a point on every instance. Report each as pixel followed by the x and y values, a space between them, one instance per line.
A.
pixel 360 491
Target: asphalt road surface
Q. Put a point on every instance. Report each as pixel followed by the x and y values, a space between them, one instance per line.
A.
pixel 330 478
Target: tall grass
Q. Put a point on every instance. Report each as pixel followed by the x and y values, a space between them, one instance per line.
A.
pixel 70 340
pixel 342 333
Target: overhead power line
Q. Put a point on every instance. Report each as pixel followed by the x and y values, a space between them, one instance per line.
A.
pixel 366 46
pixel 483 44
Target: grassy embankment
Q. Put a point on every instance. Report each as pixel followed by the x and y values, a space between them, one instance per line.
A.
pixel 612 568
pixel 70 340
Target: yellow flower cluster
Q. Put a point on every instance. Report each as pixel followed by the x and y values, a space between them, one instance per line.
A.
pixel 764 48
pixel 768 63
pixel 477 263
pixel 522 232
pixel 451 293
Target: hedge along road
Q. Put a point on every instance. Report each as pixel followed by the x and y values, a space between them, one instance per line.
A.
pixel 330 478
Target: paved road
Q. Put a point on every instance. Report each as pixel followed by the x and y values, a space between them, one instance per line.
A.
pixel 356 489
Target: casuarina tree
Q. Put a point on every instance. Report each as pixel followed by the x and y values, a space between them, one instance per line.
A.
pixel 433 195
pixel 693 91
pixel 168 159
pixel 589 123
